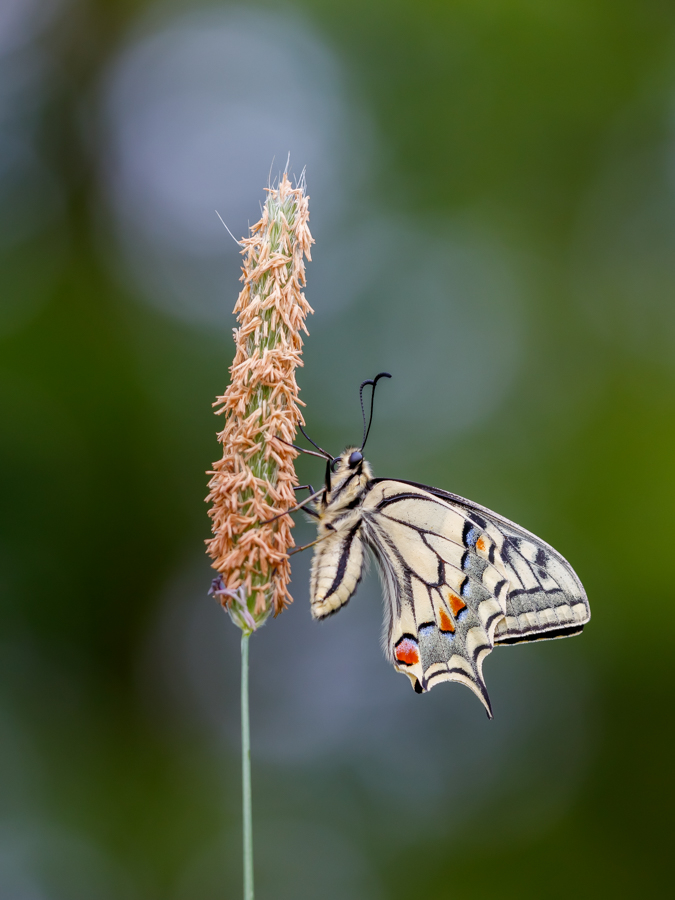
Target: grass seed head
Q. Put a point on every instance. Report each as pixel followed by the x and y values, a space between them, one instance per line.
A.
pixel 254 480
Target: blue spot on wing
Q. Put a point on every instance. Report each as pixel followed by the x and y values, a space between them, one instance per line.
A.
pixel 470 534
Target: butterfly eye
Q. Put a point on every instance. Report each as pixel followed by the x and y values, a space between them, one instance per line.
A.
pixel 355 459
pixel 335 465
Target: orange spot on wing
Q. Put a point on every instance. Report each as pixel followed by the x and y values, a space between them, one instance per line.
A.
pixel 456 605
pixel 480 544
pixel 406 652
pixel 446 622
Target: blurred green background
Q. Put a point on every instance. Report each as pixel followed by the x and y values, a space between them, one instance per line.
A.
pixel 492 192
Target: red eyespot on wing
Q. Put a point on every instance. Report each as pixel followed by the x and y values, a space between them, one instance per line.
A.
pixel 406 652
pixel 456 605
pixel 480 544
pixel 446 622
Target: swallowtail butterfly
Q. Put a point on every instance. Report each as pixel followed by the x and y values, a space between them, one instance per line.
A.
pixel 458 579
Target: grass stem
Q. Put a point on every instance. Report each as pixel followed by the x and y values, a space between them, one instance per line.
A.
pixel 247 821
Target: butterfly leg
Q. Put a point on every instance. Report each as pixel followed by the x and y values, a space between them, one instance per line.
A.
pixel 294 508
pixel 309 488
pixel 305 487
pixel 307 546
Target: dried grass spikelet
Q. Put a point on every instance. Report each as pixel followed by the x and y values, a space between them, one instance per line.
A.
pixel 254 480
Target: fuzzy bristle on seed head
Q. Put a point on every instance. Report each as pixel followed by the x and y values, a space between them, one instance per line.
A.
pixel 255 478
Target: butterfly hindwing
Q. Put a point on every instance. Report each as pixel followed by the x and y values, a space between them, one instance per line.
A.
pixel 444 581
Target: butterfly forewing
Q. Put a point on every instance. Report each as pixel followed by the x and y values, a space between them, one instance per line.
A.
pixel 546 600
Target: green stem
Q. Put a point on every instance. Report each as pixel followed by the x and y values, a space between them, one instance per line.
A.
pixel 247 823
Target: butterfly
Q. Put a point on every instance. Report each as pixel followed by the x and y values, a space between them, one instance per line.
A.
pixel 458 579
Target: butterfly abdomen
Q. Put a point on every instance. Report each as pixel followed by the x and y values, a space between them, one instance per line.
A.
pixel 337 567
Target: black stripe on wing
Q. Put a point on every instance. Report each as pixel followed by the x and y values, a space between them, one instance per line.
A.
pixel 550 635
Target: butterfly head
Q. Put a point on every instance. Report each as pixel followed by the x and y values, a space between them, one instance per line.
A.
pixel 349 473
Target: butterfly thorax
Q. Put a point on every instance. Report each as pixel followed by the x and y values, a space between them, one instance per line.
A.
pixel 348 483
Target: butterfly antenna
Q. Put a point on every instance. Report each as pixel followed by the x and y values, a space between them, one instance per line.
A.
pixel 373 381
pixel 324 452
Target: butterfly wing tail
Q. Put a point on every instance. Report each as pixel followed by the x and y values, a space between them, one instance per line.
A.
pixel 462 664
pixel 432 635
pixel 431 656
